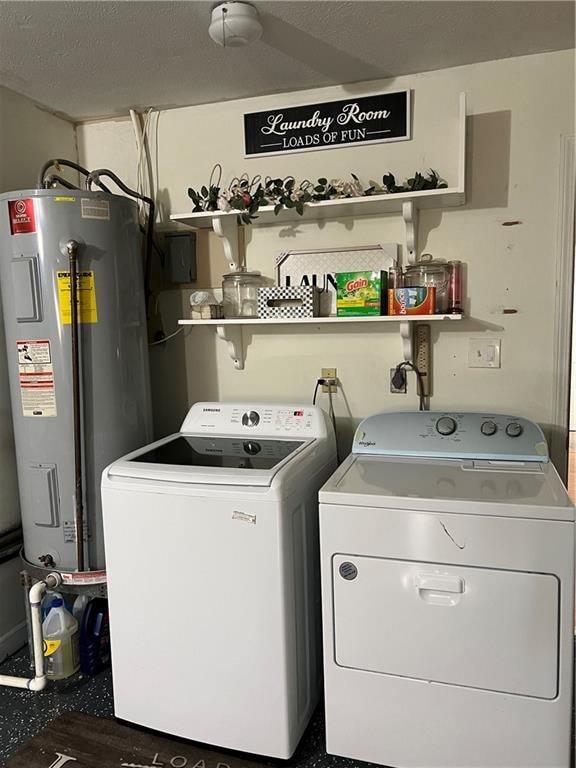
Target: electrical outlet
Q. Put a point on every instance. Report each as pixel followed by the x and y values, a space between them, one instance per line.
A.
pixel 423 357
pixel 329 373
pixel 396 390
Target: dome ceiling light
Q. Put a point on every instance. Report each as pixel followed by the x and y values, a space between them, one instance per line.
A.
pixel 235 24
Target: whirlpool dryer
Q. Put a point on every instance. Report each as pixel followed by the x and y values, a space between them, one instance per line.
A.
pixel 213 576
pixel 447 551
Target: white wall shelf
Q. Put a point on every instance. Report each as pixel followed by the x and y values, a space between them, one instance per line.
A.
pixel 230 330
pixel 225 224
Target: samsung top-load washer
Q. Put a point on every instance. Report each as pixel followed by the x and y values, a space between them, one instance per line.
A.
pixel 447 557
pixel 213 570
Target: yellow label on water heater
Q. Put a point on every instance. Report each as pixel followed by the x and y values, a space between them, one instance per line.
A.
pixel 87 309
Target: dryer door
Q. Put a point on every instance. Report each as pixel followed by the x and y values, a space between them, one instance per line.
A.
pixel 476 627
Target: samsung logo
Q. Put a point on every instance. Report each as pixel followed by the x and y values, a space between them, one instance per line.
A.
pixel 211 410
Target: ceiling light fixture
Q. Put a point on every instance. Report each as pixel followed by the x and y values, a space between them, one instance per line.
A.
pixel 234 24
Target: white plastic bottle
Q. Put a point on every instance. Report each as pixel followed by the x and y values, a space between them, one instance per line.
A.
pixel 61 650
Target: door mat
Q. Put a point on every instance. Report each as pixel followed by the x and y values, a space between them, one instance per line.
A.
pixel 75 740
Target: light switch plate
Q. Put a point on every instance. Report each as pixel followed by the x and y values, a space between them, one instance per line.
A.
pixel 484 352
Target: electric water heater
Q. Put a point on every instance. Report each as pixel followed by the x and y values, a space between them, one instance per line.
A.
pixel 79 386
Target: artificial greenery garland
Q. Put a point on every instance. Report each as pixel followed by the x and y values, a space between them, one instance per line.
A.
pixel 247 195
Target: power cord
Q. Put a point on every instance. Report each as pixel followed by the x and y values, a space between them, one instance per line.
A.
pixel 331 415
pixel 318 384
pixel 164 339
pixel 399 381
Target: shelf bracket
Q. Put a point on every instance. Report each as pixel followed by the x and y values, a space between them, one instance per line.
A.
pixel 226 227
pixel 406 336
pixel 232 335
pixel 410 216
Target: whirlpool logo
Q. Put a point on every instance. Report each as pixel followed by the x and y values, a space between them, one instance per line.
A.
pixel 211 410
pixel 361 440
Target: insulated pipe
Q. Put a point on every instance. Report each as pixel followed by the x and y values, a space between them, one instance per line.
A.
pixel 38 682
pixel 94 178
pixel 53 179
pixel 72 248
pixel 40 184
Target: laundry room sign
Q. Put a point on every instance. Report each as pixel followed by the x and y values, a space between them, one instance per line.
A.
pixel 361 120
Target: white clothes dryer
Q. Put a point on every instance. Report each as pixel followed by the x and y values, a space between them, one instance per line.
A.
pixel 213 576
pixel 447 557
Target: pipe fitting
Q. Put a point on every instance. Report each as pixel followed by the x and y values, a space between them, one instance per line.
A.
pixel 39 681
pixel 72 248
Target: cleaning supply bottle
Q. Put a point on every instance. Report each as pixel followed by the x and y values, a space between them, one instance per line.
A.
pixel 47 602
pixel 95 637
pixel 60 630
pixel 79 607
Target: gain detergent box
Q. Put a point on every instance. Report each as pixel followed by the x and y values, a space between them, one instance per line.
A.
pixel 360 293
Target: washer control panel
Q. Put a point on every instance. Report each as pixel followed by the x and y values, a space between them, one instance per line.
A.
pixel 251 419
pixel 451 435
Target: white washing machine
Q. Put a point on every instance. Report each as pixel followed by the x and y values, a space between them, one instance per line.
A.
pixel 213 576
pixel 447 556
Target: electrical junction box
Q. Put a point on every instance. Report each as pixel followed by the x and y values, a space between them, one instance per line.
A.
pixel 180 252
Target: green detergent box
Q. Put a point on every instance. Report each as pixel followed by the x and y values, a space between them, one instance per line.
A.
pixel 360 293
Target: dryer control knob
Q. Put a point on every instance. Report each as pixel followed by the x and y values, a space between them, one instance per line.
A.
pixel 446 425
pixel 488 428
pixel 514 429
pixel 250 419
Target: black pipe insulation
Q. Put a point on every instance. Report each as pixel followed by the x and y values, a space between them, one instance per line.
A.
pixel 94 178
pixel 40 184
pixel 72 247
pixel 50 181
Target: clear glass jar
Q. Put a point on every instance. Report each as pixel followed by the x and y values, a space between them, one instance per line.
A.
pixel 430 273
pixel 240 293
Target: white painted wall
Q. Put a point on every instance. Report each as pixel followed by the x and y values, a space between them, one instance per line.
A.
pixel 28 137
pixel 518 110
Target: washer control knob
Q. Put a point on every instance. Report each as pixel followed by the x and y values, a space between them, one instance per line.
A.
pixel 488 428
pixel 250 419
pixel 514 429
pixel 251 447
pixel 446 425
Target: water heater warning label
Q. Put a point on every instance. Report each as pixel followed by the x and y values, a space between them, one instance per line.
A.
pixel 36 375
pixel 87 309
pixel 95 209
pixel 21 213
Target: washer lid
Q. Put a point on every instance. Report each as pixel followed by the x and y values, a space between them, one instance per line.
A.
pixel 504 488
pixel 213 459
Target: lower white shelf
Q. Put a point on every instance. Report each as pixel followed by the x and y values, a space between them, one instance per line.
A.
pixel 318 320
pixel 230 329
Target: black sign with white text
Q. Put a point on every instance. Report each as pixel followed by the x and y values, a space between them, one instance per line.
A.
pixel 364 120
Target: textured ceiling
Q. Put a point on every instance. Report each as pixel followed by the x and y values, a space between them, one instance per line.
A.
pixel 88 59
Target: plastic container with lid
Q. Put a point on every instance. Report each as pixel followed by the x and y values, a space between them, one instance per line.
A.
pixel 240 293
pixel 60 630
pixel 428 272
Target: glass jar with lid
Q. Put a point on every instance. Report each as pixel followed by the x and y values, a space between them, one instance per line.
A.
pixel 240 293
pixel 429 272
